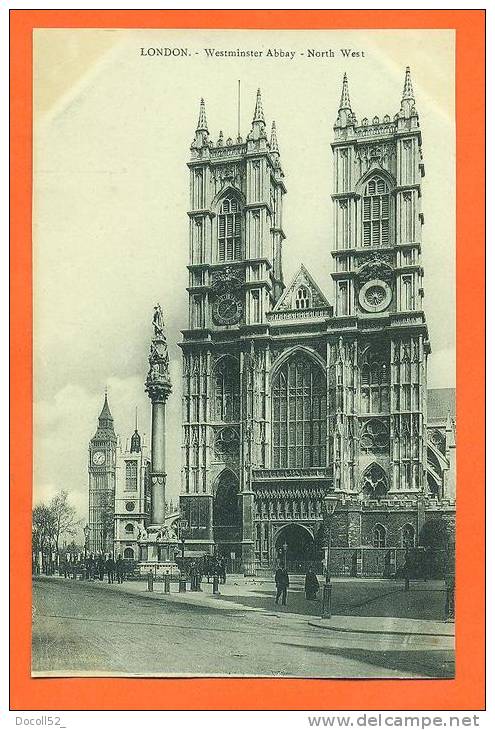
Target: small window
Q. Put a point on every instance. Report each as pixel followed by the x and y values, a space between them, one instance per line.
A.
pixel 303 298
pixel 129 528
pixel 379 536
pixel 408 536
pixel 256 306
pixel 129 554
pixel 131 475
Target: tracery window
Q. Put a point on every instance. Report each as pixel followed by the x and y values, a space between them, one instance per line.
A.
pixel 299 414
pixel 303 299
pixel 374 482
pixel 375 381
pixel 379 536
pixel 376 213
pixel 130 475
pixel 226 386
pixel 229 230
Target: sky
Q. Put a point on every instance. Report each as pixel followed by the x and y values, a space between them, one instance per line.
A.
pixel 112 130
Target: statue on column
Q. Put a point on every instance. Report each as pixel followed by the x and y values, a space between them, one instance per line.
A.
pixel 158 383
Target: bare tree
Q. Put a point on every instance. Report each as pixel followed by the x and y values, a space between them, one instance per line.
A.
pixel 64 518
pixel 42 533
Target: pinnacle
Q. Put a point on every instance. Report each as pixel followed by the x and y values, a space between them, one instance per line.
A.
pixel 273 139
pixel 345 102
pixel 105 411
pixel 258 110
pixel 202 124
pixel 408 93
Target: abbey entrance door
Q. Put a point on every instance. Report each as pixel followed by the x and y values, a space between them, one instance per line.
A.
pixel 296 548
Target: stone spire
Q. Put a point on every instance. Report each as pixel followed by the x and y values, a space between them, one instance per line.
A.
pixel 345 102
pixel 202 124
pixel 345 116
pixel 258 109
pixel 273 140
pixel 201 137
pixel 258 123
pixel 407 103
pixel 136 438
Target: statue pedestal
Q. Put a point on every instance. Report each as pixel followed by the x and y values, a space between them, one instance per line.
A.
pixel 160 546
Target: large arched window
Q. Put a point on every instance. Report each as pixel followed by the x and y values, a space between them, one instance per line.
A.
pixel 299 414
pixel 229 230
pixel 375 381
pixel 226 393
pixel 376 212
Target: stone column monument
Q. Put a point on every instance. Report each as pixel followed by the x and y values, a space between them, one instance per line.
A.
pixel 158 386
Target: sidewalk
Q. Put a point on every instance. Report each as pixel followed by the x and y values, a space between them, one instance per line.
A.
pixel 389 626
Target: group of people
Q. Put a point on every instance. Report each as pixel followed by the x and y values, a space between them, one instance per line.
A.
pixel 311 585
pixel 97 567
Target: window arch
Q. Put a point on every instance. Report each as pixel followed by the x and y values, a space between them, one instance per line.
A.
pixel 225 505
pixel 229 230
pixel 226 398
pixel 379 536
pixel 129 528
pixel 303 298
pixel 408 536
pixel 129 553
pixel 376 212
pixel 299 414
pixel 375 381
pixel 374 483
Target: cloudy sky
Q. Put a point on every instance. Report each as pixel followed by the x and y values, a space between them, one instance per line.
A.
pixel 112 136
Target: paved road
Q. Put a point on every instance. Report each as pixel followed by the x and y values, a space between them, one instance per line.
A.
pixel 82 628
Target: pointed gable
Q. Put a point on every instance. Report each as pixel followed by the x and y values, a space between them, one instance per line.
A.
pixel 303 293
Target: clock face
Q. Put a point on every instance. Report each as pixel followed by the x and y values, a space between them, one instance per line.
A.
pixel 227 309
pixel 98 458
pixel 375 296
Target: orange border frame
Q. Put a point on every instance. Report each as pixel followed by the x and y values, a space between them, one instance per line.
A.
pixel 467 690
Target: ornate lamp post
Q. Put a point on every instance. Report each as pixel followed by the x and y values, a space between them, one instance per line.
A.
pixel 326 608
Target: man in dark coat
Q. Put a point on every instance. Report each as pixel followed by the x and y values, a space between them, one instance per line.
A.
pixel 311 585
pixel 100 564
pixel 110 567
pixel 119 569
pixel 282 583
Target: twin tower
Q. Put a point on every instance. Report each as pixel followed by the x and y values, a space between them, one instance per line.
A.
pixel 290 400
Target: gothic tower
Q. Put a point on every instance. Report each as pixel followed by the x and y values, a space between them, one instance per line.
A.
pixel 378 360
pixel 101 468
pixel 235 278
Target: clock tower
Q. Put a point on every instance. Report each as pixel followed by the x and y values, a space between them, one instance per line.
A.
pixel 101 468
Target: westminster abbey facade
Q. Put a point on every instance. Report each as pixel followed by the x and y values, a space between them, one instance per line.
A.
pixel 295 406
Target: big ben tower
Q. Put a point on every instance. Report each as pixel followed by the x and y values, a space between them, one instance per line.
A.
pixel 101 467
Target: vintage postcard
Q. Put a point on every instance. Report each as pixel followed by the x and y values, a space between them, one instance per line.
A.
pixel 244 302
pixel 249 360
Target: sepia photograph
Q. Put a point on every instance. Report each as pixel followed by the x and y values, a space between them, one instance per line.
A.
pixel 244 343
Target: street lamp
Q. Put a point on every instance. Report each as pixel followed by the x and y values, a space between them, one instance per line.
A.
pixel 326 609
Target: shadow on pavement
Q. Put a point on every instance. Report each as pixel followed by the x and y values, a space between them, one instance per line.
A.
pixel 437 663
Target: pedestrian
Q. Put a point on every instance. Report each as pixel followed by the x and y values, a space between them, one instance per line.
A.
pixel 282 584
pixel 119 569
pixel 221 570
pixel 311 585
pixel 100 564
pixel 92 567
pixel 110 567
